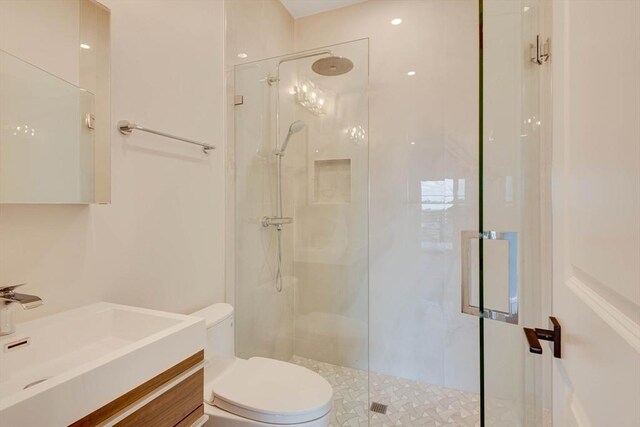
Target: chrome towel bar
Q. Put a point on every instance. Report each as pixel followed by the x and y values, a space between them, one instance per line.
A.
pixel 126 127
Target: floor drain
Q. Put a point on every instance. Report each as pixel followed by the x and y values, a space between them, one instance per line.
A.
pixel 379 408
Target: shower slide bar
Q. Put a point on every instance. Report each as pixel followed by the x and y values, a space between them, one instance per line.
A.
pixel 125 127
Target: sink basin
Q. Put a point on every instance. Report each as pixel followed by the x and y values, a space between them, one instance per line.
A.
pixel 59 368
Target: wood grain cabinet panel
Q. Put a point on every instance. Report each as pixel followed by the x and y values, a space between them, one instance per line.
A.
pixel 192 417
pixel 175 407
pixel 170 408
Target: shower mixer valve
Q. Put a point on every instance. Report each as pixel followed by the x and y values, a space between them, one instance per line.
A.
pixel 277 221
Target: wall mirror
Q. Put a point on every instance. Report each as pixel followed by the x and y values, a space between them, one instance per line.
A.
pixel 54 102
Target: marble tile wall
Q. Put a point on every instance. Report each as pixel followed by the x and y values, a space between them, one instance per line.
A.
pixel 423 186
pixel 331 231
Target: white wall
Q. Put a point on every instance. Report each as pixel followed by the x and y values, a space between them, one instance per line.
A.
pixel 159 244
pixel 43 33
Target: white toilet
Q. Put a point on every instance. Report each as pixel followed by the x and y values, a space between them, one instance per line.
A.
pixel 259 391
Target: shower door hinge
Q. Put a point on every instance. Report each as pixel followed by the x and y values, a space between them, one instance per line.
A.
pixel 540 51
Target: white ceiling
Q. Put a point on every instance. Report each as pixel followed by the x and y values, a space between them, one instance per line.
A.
pixel 299 8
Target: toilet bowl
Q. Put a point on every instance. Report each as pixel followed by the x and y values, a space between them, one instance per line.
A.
pixel 258 391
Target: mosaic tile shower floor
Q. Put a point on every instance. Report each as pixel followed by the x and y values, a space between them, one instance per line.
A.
pixel 410 403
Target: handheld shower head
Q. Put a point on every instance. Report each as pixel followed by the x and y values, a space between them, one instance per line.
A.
pixel 295 127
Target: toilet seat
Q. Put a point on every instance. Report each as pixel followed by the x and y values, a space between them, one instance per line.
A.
pixel 271 391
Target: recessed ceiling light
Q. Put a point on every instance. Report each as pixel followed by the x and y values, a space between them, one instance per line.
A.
pixel 242 55
pixel 396 21
pixel 85 46
pixel 411 73
pixel 413 143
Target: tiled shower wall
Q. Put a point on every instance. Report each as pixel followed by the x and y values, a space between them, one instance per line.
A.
pixel 422 158
pixel 331 242
pixel 255 29
pixel 423 182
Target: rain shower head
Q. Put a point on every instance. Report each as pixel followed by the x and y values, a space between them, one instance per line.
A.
pixel 332 66
pixel 295 127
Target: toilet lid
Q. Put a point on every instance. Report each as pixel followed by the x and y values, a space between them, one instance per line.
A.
pixel 272 391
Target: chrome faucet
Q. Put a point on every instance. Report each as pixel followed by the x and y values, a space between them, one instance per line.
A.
pixel 8 299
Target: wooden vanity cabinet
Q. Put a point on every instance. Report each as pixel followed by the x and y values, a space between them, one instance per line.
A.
pixel 172 398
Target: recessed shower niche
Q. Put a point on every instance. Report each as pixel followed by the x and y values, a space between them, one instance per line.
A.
pixel 332 181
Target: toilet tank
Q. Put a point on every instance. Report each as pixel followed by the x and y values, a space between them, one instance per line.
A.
pixel 220 349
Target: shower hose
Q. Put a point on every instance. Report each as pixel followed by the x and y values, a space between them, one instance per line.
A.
pixel 279 272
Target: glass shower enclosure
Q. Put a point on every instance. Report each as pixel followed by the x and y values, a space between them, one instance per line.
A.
pixel 302 213
pixel 391 239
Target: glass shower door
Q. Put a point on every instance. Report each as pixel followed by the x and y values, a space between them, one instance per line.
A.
pixel 511 273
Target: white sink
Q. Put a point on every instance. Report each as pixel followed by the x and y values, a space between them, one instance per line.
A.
pixel 79 360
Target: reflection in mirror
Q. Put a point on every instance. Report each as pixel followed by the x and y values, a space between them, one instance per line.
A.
pixel 46 148
pixel 54 102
